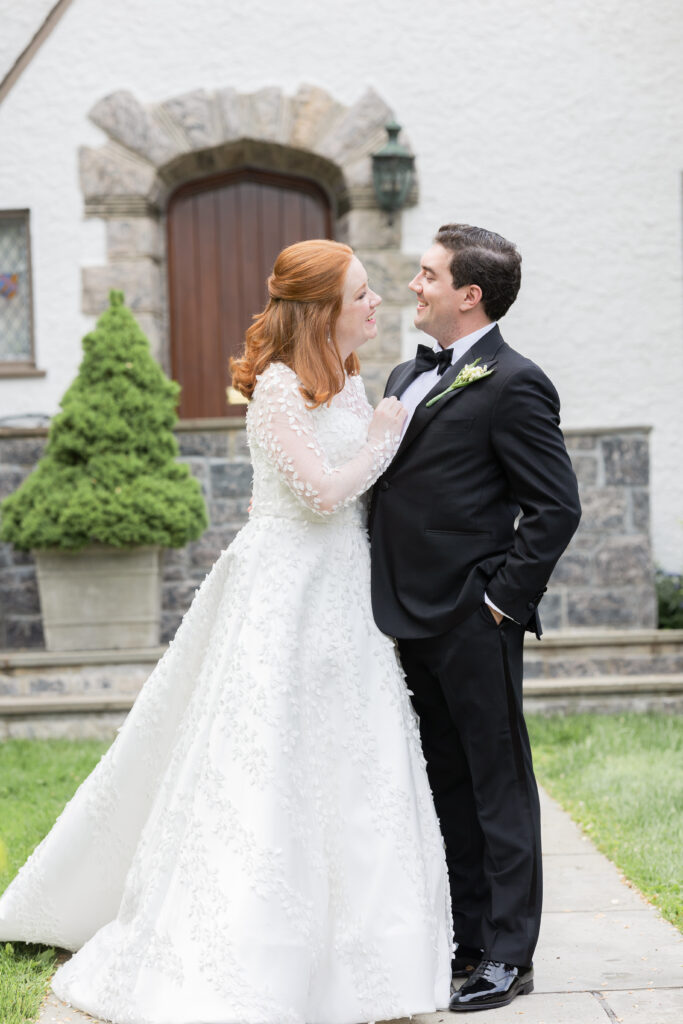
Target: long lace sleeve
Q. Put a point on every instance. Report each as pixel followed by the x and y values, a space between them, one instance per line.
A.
pixel 286 429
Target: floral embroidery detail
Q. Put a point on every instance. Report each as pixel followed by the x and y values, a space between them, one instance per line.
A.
pixel 310 448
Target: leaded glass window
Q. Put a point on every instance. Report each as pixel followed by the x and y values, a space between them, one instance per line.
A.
pixel 16 326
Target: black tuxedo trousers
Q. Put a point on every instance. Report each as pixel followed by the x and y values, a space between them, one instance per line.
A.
pixel 466 687
pixel 445 530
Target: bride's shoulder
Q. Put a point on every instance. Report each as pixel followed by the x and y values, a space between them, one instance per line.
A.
pixel 356 387
pixel 277 393
pixel 277 377
pixel 357 383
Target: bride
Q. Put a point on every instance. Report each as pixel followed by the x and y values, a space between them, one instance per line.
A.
pixel 259 845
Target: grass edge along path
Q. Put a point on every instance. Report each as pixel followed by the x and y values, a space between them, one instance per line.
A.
pixel 620 777
pixel 37 778
pixel 25 973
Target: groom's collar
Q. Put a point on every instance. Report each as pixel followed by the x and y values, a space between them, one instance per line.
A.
pixel 462 345
pixel 489 337
pixel 484 349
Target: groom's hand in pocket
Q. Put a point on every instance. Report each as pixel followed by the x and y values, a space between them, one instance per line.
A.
pixel 496 615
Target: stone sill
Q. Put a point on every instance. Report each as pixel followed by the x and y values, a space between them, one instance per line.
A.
pixel 18 432
pixel 10 372
pixel 235 422
pixel 582 431
pixel 217 425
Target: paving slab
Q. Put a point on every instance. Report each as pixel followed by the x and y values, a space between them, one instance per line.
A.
pixel 659 1006
pixel 555 1008
pixel 560 834
pixel 587 883
pixel 54 1011
pixel 579 951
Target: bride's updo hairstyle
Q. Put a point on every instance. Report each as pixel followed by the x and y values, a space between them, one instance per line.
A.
pixel 297 326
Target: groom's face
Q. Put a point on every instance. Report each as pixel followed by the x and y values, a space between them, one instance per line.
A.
pixel 438 302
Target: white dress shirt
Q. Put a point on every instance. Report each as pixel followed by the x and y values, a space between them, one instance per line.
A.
pixel 423 384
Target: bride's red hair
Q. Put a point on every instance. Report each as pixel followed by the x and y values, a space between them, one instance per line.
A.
pixel 297 326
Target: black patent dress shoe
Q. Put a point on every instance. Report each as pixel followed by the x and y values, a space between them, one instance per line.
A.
pixel 465 960
pixel 492 984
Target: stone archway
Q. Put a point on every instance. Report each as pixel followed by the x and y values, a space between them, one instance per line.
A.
pixel 151 150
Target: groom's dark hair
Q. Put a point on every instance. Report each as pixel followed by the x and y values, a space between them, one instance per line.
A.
pixel 486 259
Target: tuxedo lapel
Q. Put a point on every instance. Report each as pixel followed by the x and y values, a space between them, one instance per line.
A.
pixel 403 380
pixel 485 350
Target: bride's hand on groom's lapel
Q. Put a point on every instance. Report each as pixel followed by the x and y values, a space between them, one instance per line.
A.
pixel 389 416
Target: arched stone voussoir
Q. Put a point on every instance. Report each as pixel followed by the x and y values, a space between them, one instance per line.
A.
pixel 314 112
pixel 196 117
pixel 268 156
pixel 266 114
pixel 357 131
pixel 200 133
pixel 127 121
pixel 110 173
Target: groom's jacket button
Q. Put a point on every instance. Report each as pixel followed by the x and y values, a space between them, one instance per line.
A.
pixel 384 485
pixel 531 605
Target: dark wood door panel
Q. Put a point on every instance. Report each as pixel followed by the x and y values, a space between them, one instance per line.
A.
pixel 223 237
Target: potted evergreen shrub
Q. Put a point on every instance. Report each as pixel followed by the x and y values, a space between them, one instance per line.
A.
pixel 107 495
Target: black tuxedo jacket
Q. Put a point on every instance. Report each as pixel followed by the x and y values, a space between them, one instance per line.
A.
pixel 442 517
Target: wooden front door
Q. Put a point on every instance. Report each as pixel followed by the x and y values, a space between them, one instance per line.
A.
pixel 224 234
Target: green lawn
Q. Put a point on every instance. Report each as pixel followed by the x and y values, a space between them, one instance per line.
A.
pixel 621 778
pixel 36 780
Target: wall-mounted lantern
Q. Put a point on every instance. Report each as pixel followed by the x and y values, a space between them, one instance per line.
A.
pixel 392 172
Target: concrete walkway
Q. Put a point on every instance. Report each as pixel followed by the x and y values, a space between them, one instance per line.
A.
pixel 604 955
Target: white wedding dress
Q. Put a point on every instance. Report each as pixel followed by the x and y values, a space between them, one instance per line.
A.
pixel 259 845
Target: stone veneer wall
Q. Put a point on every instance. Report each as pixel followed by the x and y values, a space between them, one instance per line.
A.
pixel 605 578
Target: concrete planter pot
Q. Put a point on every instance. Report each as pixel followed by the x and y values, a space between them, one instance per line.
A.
pixel 100 597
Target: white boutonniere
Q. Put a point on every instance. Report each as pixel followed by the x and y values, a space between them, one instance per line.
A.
pixel 467 375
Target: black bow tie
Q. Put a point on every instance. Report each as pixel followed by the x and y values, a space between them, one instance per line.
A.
pixel 426 359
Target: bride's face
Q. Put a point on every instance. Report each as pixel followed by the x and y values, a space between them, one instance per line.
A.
pixel 356 323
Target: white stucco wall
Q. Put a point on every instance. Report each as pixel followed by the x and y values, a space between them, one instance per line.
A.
pixel 557 124
pixel 20 23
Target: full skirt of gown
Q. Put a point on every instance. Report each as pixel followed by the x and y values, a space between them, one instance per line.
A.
pixel 259 845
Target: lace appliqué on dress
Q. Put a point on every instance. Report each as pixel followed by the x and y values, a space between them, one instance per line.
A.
pixel 289 432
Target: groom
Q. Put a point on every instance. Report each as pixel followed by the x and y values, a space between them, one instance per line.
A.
pixel 457 580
